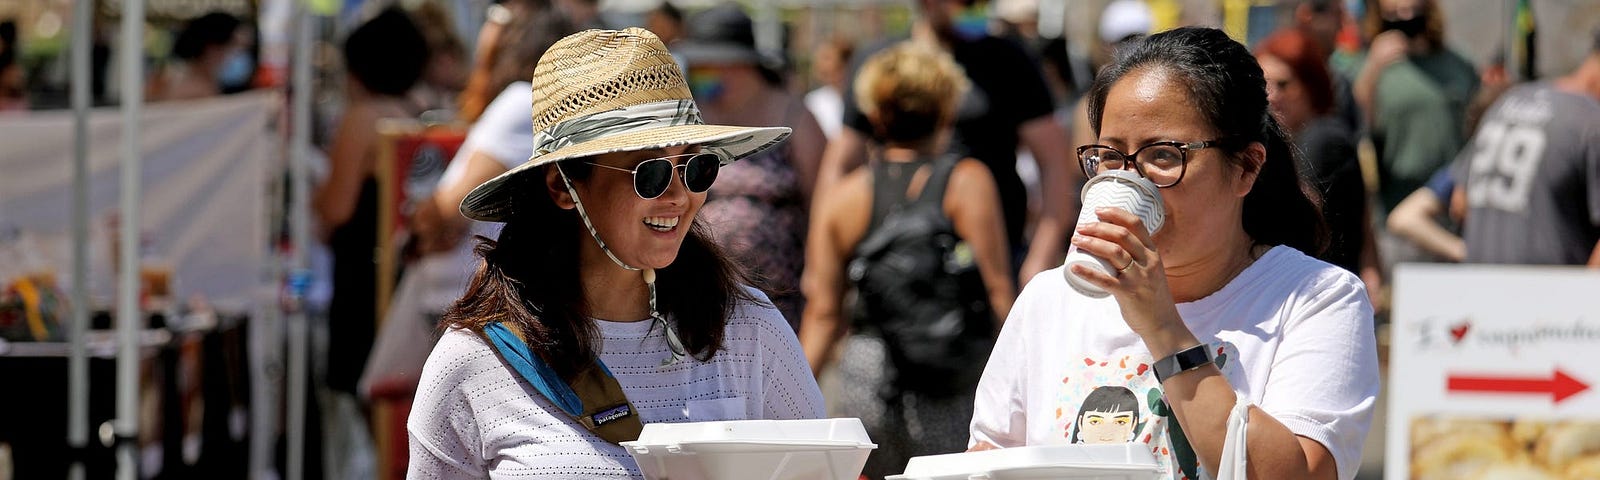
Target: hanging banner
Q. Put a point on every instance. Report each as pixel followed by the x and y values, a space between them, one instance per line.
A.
pixel 1492 373
pixel 204 217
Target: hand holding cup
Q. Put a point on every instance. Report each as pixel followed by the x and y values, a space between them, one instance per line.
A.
pixel 1120 189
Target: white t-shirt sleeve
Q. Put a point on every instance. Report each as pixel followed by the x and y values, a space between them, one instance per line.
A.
pixel 1334 406
pixel 504 132
pixel 443 431
pixel 789 392
pixel 999 413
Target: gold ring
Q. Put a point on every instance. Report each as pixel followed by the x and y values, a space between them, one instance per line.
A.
pixel 1125 267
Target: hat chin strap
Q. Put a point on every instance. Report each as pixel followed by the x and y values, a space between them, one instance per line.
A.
pixel 673 342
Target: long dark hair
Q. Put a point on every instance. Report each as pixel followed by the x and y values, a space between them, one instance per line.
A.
pixel 1225 82
pixel 529 280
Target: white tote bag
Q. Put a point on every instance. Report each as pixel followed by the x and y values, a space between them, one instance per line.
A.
pixel 1235 456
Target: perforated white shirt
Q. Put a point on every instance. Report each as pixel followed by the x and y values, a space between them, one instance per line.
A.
pixel 474 417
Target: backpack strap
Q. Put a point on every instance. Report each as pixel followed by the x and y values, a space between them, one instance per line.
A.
pixel 593 398
pixel 938 180
pixel 890 180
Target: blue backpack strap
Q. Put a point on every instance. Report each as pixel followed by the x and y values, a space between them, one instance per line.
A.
pixel 531 367
pixel 593 397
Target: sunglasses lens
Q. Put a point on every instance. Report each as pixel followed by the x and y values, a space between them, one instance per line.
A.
pixel 651 178
pixel 700 171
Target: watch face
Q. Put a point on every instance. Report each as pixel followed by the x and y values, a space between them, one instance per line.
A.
pixel 1183 361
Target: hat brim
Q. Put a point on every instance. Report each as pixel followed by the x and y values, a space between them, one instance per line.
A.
pixel 491 201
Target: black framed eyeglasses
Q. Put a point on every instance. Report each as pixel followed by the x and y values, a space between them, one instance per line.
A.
pixel 652 177
pixel 1163 163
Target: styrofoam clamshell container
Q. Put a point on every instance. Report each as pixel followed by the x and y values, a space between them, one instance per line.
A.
pixel 1130 461
pixel 832 448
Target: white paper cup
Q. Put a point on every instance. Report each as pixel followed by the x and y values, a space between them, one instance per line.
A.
pixel 1116 189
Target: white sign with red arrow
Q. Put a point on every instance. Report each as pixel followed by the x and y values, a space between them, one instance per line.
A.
pixel 1489 344
pixel 1559 386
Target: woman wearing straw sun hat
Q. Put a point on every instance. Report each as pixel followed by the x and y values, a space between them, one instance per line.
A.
pixel 603 305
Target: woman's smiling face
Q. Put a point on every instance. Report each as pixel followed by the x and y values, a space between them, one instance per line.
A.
pixel 642 233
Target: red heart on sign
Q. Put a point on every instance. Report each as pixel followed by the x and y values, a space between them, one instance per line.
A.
pixel 1460 330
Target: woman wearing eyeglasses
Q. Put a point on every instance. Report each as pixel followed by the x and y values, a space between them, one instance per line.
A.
pixel 1222 302
pixel 603 305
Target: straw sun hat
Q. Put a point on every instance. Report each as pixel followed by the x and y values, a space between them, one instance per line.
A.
pixel 606 91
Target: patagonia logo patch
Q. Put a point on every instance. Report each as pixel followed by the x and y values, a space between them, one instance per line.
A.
pixel 611 414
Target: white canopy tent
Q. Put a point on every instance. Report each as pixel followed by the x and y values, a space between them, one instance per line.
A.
pixel 124 430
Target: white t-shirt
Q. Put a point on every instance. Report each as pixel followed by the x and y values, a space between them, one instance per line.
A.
pixel 474 417
pixel 827 106
pixel 1293 334
pixel 504 131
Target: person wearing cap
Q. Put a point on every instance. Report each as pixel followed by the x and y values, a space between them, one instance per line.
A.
pixel 603 305
pixel 1008 106
pixel 759 207
pixel 1122 22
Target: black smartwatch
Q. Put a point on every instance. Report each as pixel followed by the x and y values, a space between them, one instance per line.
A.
pixel 1183 361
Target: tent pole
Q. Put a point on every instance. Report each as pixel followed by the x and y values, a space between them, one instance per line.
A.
pixel 300 237
pixel 78 359
pixel 129 319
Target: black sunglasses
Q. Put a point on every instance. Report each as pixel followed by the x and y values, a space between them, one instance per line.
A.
pixel 652 177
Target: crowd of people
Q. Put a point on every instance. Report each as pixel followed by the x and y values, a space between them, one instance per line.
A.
pixel 661 224
pixel 763 239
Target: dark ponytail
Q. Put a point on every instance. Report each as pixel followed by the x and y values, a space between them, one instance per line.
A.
pixel 1225 82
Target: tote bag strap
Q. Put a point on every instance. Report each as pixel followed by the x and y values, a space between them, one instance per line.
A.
pixel 1235 458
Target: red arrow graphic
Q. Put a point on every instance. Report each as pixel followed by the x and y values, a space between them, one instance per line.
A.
pixel 1559 386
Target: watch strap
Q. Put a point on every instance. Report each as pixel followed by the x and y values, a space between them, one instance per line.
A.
pixel 1184 360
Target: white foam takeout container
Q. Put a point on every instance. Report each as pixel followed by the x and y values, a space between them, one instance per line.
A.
pixel 823 449
pixel 1129 461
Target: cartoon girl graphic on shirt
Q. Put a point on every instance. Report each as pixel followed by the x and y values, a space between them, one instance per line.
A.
pixel 1109 415
pixel 1118 401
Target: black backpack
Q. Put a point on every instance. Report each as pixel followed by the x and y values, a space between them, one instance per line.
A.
pixel 918 286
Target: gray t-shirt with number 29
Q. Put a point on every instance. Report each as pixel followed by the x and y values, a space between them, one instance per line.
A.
pixel 1532 174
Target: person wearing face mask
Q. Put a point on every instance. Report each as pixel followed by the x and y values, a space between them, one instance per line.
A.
pixel 209 56
pixel 1414 94
pixel 1008 106
pixel 759 207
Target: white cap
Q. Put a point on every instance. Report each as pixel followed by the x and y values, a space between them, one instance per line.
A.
pixel 1017 11
pixel 1123 18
